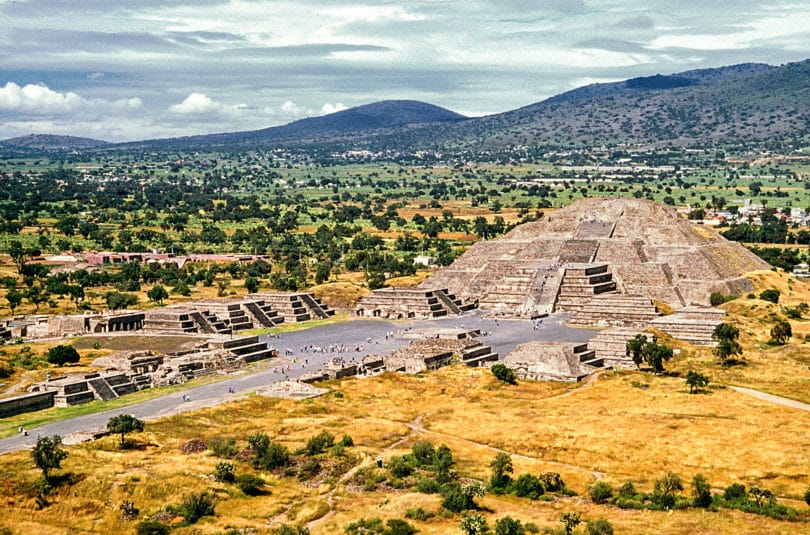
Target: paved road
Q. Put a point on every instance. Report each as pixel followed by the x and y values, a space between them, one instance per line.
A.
pixel 773 399
pixel 503 336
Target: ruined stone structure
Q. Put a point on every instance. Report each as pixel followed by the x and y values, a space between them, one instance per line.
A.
pixel 594 249
pixel 295 307
pixel 691 324
pixel 550 361
pixel 610 345
pixel 44 326
pixel 401 303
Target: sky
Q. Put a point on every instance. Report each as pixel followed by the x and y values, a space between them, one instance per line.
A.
pixel 141 69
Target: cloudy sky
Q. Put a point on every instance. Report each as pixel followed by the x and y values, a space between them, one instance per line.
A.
pixel 125 70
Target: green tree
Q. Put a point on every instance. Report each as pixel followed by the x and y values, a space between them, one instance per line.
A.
pixel 501 468
pixel 123 424
pixel 807 496
pixel 504 374
pixel 570 521
pixel 48 455
pixel 600 526
pixel 664 490
pixel 770 295
pixel 635 349
pixel 509 526
pixel 701 491
pixel 157 294
pixel 695 381
pixel 442 463
pixel 196 506
pixel 781 332
pixel 655 355
pixel 14 299
pixel 761 496
pixel 252 285
pixel 63 354
pixel 600 492
pixel 727 346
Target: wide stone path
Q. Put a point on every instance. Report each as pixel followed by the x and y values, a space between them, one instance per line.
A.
pixel 370 334
pixel 773 399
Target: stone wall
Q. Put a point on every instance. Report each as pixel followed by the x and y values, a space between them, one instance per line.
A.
pixel 27 403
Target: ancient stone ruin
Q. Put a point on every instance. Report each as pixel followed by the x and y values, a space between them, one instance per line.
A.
pixel 402 303
pixel 590 257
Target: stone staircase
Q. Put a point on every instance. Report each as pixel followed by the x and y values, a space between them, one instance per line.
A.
pixel 580 283
pixel 316 307
pixel 401 303
pixel 578 251
pixel 246 349
pixel 616 310
pixel 101 389
pixel 262 314
pixel 587 356
pixel 231 313
pixel 610 345
pixel 476 355
pixel 289 305
pixel 209 323
pixel 691 324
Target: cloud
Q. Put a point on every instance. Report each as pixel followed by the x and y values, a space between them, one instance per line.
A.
pixel 197 104
pixel 291 108
pixel 328 108
pixel 37 98
pixel 638 22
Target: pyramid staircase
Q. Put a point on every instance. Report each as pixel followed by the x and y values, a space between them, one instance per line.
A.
pixel 611 346
pixel 616 310
pixel 580 283
pixel 476 355
pixel 587 356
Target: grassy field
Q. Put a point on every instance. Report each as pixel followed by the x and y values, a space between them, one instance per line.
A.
pixel 624 426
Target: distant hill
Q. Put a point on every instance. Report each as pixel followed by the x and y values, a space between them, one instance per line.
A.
pixel 45 142
pixel 741 103
pixel 354 124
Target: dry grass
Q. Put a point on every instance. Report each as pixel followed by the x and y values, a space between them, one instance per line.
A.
pixel 340 294
pixel 612 427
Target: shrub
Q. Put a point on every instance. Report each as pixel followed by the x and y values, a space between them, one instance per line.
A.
pixel 527 486
pixel 224 472
pixel 320 443
pixel 455 500
pixel 735 492
pixel 600 492
pixel 418 513
pixel 627 490
pixel 397 526
pixel 600 526
pixel 363 527
pixel 309 469
pixel 222 447
pixel 423 452
pixel 346 441
pixel 428 485
pixel 509 526
pixel 807 496
pixel 399 467
pixel 504 374
pixel 249 484
pixel 771 295
pixel 276 456
pixel 151 527
pixel 196 506
pixel 63 354
pixel 716 298
pixel 553 482
pixel 701 491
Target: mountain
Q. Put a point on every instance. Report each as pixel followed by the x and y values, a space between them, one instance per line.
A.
pixel 738 104
pixel 351 125
pixel 45 142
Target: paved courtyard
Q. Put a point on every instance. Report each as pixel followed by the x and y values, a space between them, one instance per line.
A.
pixel 297 357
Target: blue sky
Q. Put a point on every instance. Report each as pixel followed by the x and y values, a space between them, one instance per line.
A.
pixel 136 69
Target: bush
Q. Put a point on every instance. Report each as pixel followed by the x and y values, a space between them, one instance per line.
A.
pixel 224 472
pixel 418 513
pixel 276 456
pixel 222 447
pixel 509 526
pixel 600 526
pixel 807 496
pixel 423 452
pixel 399 467
pixel 346 441
pixel 701 491
pixel 735 492
pixel 320 443
pixel 249 484
pixel 309 469
pixel 151 527
pixel 196 506
pixel 716 298
pixel 771 295
pixel 504 374
pixel 600 492
pixel 455 500
pixel 428 485
pixel 553 482
pixel 397 526
pixel 527 486
pixel 627 490
pixel 63 354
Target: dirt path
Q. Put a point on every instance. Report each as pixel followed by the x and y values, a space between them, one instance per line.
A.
pixel 792 403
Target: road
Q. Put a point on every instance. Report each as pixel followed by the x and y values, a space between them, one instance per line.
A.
pixel 503 336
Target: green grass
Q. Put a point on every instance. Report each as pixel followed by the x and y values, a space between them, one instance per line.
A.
pixel 292 327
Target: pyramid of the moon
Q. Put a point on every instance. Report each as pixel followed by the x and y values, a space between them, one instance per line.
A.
pixel 611 246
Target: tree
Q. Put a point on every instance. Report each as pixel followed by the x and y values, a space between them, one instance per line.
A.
pixel 770 295
pixel 600 526
pixel 503 373
pixel 18 254
pixel 501 466
pixel 655 355
pixel 760 495
pixel 635 349
pixel 123 424
pixel 14 299
pixel 252 285
pixel 157 294
pixel 62 354
pixel 701 491
pixel 727 346
pixel 807 496
pixel 781 332
pixel 509 526
pixel 570 521
pixel 600 492
pixel 473 525
pixel 696 381
pixel 664 490
pixel 48 455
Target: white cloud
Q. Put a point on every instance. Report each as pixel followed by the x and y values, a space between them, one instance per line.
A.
pixel 328 108
pixel 196 104
pixel 38 99
pixel 291 108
